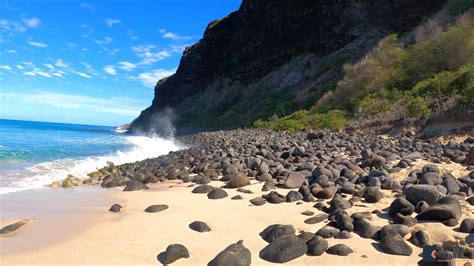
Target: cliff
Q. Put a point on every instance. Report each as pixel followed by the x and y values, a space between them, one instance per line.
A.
pixel 272 57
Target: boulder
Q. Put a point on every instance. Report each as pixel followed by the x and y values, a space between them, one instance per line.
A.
pixel 339 250
pixel 394 244
pixel 294 180
pixel 293 196
pixel 316 246
pixel 274 197
pixel 402 206
pixel 235 254
pixel 284 249
pixel 275 231
pixel 446 208
pixel 173 253
pixel 427 193
pixel 135 185
pixel 156 208
pixel 420 238
pixel 373 194
pixel 327 231
pixel 217 193
pixel 199 226
pixel 467 225
pixel 258 201
pixel 115 208
pixel 202 189
pixel 237 181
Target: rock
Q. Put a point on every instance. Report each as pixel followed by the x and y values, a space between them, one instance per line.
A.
pixel 316 219
pixel 343 235
pixel 421 206
pixel 344 222
pixel 264 177
pixel 115 208
pixel 395 245
pixel 284 249
pixel 373 194
pixel 217 193
pixel 294 180
pixel 245 191
pixel 326 193
pixel 269 185
pixel 339 250
pixel 237 197
pixel 416 193
pixel 446 208
pixel 338 203
pixel 67 183
pixel 140 177
pixel 135 185
pixel 173 253
pixel 237 181
pixel 156 208
pixel 316 246
pixel 327 231
pixel 199 226
pixel 274 197
pixel 406 220
pixel 13 227
pixel 467 225
pixel 275 231
pixel 307 213
pixel 293 196
pixel 235 254
pixel 420 238
pixel 55 184
pixel 364 228
pixel 258 201
pixel 451 186
pixel 402 206
pixel 202 189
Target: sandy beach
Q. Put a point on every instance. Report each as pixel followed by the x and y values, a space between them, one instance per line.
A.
pixel 74 226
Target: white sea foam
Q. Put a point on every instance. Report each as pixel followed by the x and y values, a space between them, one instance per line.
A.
pixel 43 174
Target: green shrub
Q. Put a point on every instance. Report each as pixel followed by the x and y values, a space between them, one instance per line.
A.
pixel 416 106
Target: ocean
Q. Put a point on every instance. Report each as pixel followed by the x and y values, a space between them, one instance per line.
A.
pixel 34 154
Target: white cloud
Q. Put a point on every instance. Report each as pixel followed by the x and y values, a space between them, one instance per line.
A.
pixel 149 54
pixel 132 35
pixel 110 70
pixel 173 36
pixel 42 73
pixel 115 105
pixel 32 22
pixel 112 21
pixel 104 41
pixel 20 67
pixel 37 44
pixel 82 74
pixel 49 66
pixel 127 66
pixel 71 45
pixel 11 51
pixel 149 79
pixel 88 6
pixel 11 26
pixel 61 63
pixel 6 67
pixel 29 73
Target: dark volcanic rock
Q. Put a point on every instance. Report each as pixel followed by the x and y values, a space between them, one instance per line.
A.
pixel 293 196
pixel 199 226
pixel 173 253
pixel 156 208
pixel 284 249
pixel 275 231
pixel 135 185
pixel 373 194
pixel 327 231
pixel 237 181
pixel 115 208
pixel 203 189
pixel 339 250
pixel 12 227
pixel 426 193
pixel 395 245
pixel 217 193
pixel 294 180
pixel 317 246
pixel 258 201
pixel 274 197
pixel 467 225
pixel 445 209
pixel 235 254
pixel 402 206
pixel 420 238
pixel 316 219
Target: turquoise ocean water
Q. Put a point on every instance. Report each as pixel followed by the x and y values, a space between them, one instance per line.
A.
pixel 33 154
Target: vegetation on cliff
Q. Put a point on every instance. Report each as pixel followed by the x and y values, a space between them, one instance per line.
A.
pixel 393 82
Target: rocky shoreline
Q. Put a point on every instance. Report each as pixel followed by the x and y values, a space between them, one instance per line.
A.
pixel 422 182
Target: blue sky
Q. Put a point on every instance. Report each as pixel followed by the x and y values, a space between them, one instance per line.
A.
pixel 93 62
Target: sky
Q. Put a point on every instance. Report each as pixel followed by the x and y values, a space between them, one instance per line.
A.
pixel 93 62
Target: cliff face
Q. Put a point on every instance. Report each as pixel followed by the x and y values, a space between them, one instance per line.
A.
pixel 272 56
